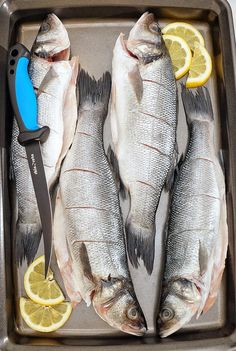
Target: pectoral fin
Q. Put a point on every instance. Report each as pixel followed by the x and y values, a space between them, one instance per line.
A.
pixel 206 262
pixel 116 173
pixel 173 171
pixel 203 259
pixel 136 82
pixel 51 74
pixel 219 259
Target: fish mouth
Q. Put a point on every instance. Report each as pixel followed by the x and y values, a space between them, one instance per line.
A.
pixel 164 332
pixel 53 17
pixel 61 55
pixel 52 56
pixel 135 329
pixel 131 54
pixel 146 19
pixel 126 51
pixel 166 329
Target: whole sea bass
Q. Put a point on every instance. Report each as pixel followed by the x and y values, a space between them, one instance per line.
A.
pixel 53 78
pixel 197 235
pixel 88 229
pixel 143 125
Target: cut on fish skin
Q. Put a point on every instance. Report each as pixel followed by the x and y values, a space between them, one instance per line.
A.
pixel 143 126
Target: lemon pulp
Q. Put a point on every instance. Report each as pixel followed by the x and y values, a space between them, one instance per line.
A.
pixel 44 318
pixel 180 54
pixel 40 290
pixel 186 31
pixel 200 68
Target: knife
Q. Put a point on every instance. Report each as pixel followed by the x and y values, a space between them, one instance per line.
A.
pixel 23 100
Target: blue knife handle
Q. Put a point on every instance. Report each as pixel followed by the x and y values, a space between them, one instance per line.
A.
pixel 25 95
pixel 23 98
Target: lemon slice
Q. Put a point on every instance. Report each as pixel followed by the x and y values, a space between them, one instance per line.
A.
pixel 44 318
pixel 201 67
pixel 41 290
pixel 186 31
pixel 180 54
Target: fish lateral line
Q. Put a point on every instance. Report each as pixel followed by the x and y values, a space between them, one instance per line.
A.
pixel 192 230
pixel 202 194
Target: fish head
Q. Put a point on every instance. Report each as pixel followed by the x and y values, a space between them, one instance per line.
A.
pixel 180 301
pixel 115 302
pixel 145 39
pixel 52 41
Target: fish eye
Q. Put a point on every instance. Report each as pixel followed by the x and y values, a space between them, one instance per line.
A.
pixel 154 27
pixel 45 27
pixel 167 314
pixel 132 313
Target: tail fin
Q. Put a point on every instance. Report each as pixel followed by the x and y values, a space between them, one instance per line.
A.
pixel 198 105
pixel 27 242
pixel 140 244
pixel 91 90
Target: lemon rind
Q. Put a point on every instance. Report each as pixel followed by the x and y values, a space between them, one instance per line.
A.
pixel 194 82
pixel 35 298
pixel 42 329
pixel 183 70
pixel 186 25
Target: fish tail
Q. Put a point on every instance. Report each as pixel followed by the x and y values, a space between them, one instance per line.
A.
pixel 197 106
pixel 94 91
pixel 140 244
pixel 27 242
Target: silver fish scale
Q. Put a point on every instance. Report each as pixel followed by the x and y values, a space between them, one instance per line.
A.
pixel 55 80
pixel 27 205
pixel 38 65
pixel 184 262
pixel 199 168
pixel 159 135
pixel 152 141
pixel 195 209
pixel 90 198
pixel 159 90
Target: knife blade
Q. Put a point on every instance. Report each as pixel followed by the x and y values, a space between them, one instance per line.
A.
pixel 24 103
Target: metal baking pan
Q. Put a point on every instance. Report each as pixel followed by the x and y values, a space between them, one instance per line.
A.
pixel 93 26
